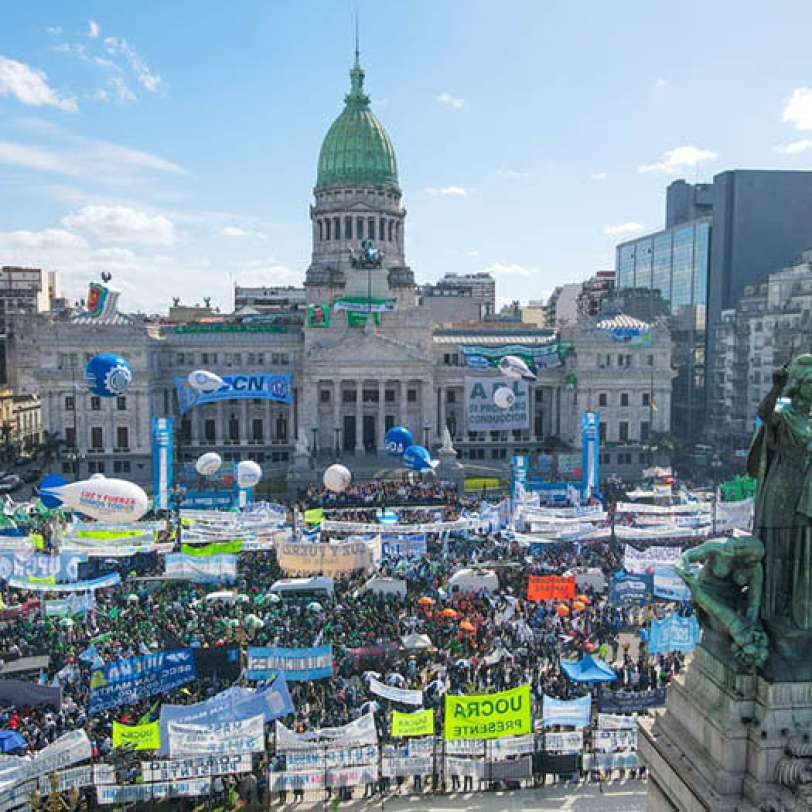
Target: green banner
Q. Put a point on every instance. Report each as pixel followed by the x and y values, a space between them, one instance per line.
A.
pixel 137 737
pixel 361 304
pixel 318 315
pixel 314 515
pixel 360 319
pixel 215 548
pixel 419 723
pixel 489 716
pixel 106 535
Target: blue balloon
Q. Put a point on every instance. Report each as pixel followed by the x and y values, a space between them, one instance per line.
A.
pixel 397 440
pixel 417 458
pixel 108 375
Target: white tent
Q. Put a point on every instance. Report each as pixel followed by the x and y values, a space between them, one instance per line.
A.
pixel 470 580
pixel 385 586
pixel 416 641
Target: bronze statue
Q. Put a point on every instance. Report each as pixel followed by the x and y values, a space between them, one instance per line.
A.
pixel 780 458
pixel 368 257
pixel 727 591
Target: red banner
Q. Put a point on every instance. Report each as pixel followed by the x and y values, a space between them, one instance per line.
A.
pixel 550 588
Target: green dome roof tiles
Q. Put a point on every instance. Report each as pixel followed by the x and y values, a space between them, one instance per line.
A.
pixel 356 150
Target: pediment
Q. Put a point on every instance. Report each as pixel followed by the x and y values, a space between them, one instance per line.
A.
pixel 367 348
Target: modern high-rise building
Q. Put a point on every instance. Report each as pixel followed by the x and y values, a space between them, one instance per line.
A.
pixel 719 238
pixel 482 286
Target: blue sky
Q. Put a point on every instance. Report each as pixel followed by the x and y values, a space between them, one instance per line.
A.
pixel 175 143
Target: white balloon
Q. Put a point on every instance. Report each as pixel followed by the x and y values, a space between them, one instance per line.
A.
pixel 203 381
pixel 97 476
pixel 208 464
pixel 108 500
pixel 511 366
pixel 504 397
pixel 248 474
pixel 337 478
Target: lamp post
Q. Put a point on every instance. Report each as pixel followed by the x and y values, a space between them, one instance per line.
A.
pixel 337 430
pixel 716 466
pixel 315 429
pixel 426 430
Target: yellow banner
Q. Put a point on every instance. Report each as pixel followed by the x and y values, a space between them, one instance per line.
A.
pixel 488 716
pixel 137 737
pixel 314 515
pixel 419 723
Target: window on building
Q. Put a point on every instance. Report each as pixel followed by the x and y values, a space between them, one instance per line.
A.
pixel 233 429
pixel 645 428
pixel 539 396
pixel 624 458
pixel 327 227
pixel 411 395
pixel 324 395
pixel 650 360
pixel 359 228
pixel 623 431
pixel 186 430
pixel 70 403
pixel 602 432
pixel 121 403
pixel 257 429
pixel 348 395
pixel 389 396
pixel 450 396
pixel 122 437
pixel 624 398
pixel 252 359
pixel 348 228
pixel 371 228
pixel 606 459
pixel 646 399
pixel 95 403
pixel 70 437
pixel 281 429
pixel 391 224
pixel 370 396
pixel 97 438
pixel 209 430
pixel 603 399
pixel 337 228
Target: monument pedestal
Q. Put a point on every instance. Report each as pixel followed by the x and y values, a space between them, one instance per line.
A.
pixel 722 742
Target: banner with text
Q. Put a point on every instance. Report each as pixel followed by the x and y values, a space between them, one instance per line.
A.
pixel 393 694
pixel 245 386
pixel 209 569
pixel 488 716
pixel 483 414
pixel 572 712
pixel 550 588
pixel 340 558
pixel 419 723
pixel 297 664
pixel 220 738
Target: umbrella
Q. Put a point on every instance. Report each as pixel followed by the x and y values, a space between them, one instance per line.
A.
pixel 450 613
pixel 273 597
pixel 425 601
pixel 10 740
pixel 67 623
pixel 370 707
pixel 371 674
pixel 315 607
pixel 462 664
pixel 395 679
pixel 467 626
pixel 254 620
pixel 243 598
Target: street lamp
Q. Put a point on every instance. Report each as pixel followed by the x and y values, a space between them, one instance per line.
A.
pixel 426 429
pixel 337 430
pixel 315 429
pixel 716 466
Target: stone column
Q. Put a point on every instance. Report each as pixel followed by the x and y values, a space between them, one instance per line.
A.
pixel 381 427
pixel 403 386
pixel 359 417
pixel 336 410
pixel 245 433
pixel 426 416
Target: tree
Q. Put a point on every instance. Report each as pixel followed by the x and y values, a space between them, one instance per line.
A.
pixel 662 444
pixel 51 448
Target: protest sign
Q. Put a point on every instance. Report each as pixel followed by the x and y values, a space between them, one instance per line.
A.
pixel 573 712
pixel 137 737
pixel 610 740
pixel 569 742
pixel 407 766
pixel 297 664
pixel 361 731
pixel 207 569
pixel 419 723
pixel 199 767
pixel 320 757
pixel 550 587
pixel 488 716
pixel 639 562
pixel 28 564
pixel 614 721
pixel 215 548
pixel 673 633
pixel 113 579
pixel 141 793
pixel 339 558
pixel 220 738
pixel 669 586
pixel 395 694
pixel 75 604
pixel 124 682
pixel 395 545
pixel 68 749
pixel 626 588
pixel 630 701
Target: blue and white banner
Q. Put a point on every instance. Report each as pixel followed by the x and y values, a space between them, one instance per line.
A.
pixel 590 451
pixel 239 386
pixel 297 664
pixel 234 737
pixel 162 452
pixel 126 681
pixel 75 604
pixel 669 586
pixel 201 569
pixel 627 588
pixel 640 561
pixel 572 712
pixel 113 579
pixel 519 471
pixel 271 700
pixel 673 633
pixel 27 563
pixel 399 546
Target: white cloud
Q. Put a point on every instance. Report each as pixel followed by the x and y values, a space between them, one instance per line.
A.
pixel 623 228
pixel 236 231
pixel 512 174
pixel 794 147
pixel 47 238
pixel 679 158
pixel 120 88
pixel 798 110
pixel 93 29
pixel 121 224
pixel 30 86
pixel 54 29
pixel 474 253
pixel 266 272
pixel 452 101
pixel 598 176
pixel 509 269
pixel 119 46
pixel 447 191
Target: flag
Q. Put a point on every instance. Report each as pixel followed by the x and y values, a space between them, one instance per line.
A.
pixel 653 405
pixel 314 516
pixel 137 737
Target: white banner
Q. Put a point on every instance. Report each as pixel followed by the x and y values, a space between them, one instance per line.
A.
pixel 474 524
pixel 483 414
pixel 201 568
pixel 465 766
pixel 567 743
pixel 195 767
pixel 410 765
pixel 403 695
pixel 288 781
pixel 323 756
pixel 135 793
pixel 352 776
pixel 610 740
pixel 335 559
pixel 616 721
pixel 361 731
pixel 638 561
pixel 220 738
pixel 68 749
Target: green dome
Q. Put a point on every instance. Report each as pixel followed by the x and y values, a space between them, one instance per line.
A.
pixel 356 150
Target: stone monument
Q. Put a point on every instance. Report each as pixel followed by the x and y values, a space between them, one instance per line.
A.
pixel 736 733
pixel 450 468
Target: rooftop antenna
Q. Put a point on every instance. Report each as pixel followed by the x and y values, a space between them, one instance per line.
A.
pixel 357 48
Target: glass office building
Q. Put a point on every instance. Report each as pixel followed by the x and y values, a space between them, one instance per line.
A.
pixel 668 271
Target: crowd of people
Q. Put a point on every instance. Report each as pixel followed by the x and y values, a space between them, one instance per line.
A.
pixel 479 642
